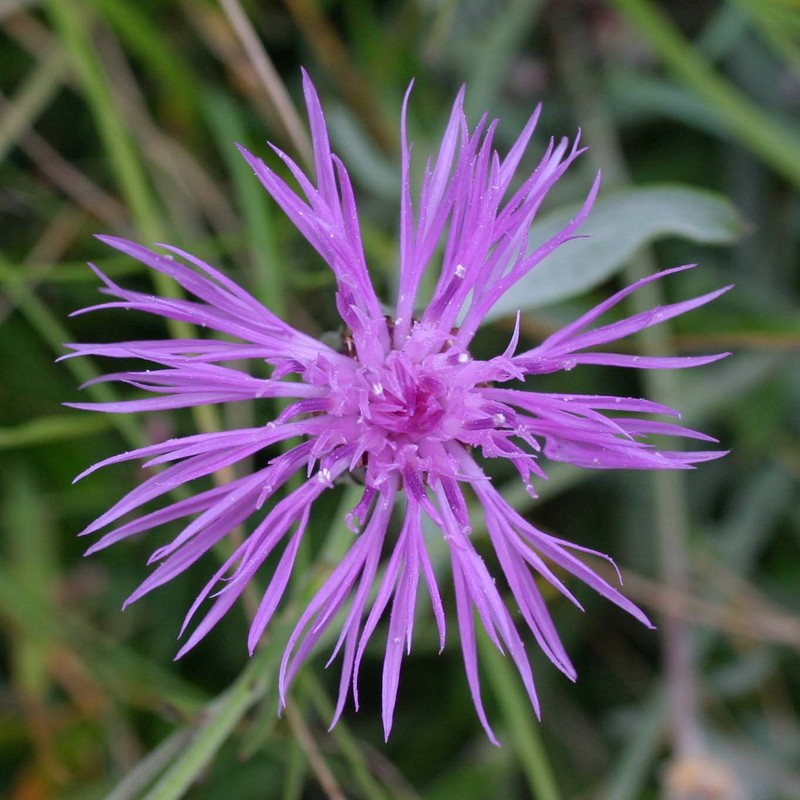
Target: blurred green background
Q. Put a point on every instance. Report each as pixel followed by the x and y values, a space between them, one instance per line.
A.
pixel 120 116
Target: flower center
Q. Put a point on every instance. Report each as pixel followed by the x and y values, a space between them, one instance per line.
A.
pixel 402 414
pixel 404 398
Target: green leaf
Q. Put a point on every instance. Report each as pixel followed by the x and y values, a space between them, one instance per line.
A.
pixel 364 160
pixel 219 720
pixel 618 226
pixel 638 97
pixel 520 722
pixel 30 552
pixel 150 42
pixel 51 429
pixel 768 137
pixel 488 56
pixel 149 768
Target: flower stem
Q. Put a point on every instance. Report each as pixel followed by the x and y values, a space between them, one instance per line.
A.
pixel 772 142
pixel 315 758
pixel 518 716
pixel 270 79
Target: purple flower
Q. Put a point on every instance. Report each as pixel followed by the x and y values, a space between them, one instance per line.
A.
pixel 402 403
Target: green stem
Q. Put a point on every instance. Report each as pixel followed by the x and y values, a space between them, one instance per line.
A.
pixel 30 100
pixel 52 331
pixel 71 23
pixel 345 741
pixel 769 140
pixel 519 719
pixel 220 719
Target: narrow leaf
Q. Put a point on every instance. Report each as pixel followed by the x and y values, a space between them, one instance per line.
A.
pixel 617 227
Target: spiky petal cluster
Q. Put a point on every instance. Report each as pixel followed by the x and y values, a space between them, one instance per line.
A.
pixel 405 404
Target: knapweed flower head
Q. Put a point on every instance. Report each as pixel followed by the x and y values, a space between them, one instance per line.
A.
pixel 402 403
